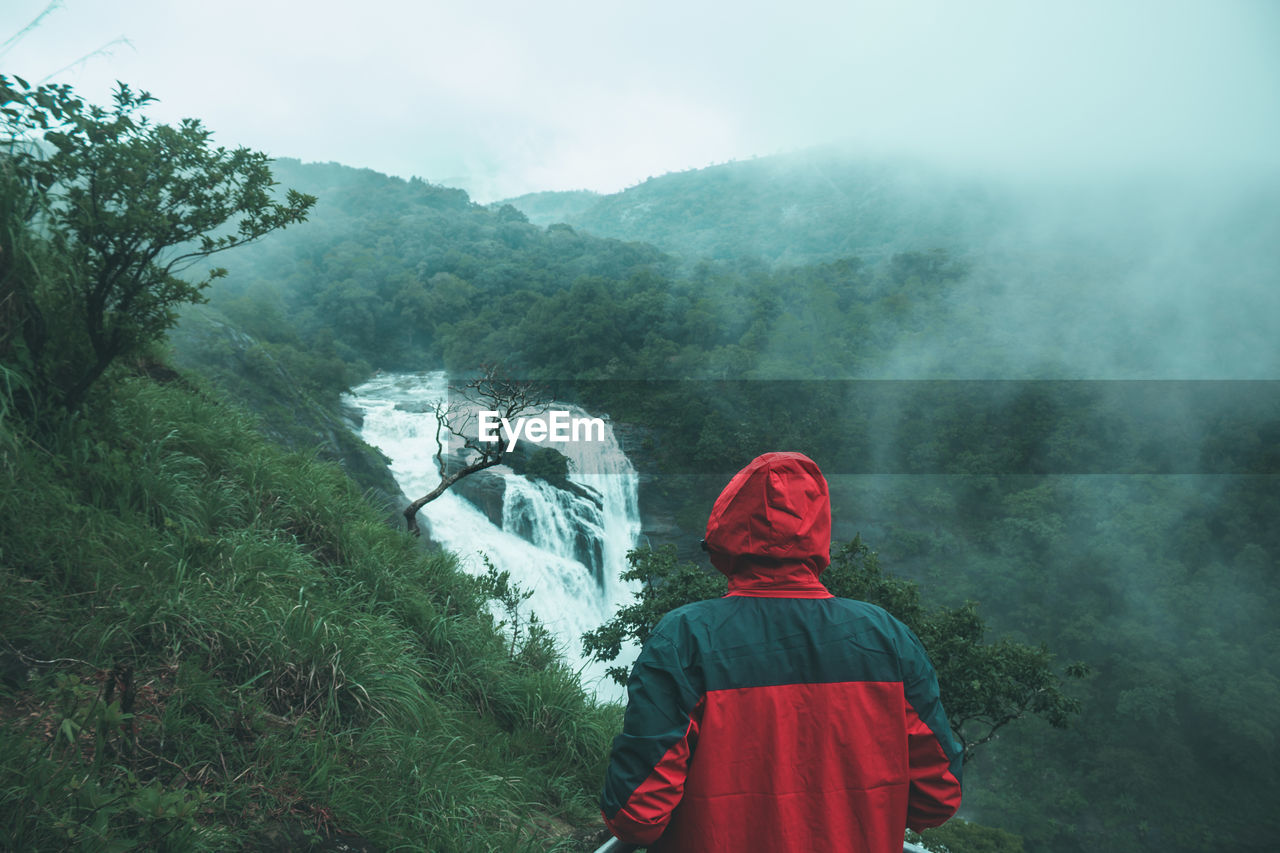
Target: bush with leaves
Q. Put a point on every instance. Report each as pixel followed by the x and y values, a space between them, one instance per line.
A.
pixel 124 206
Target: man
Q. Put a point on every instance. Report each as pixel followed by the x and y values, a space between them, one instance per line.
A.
pixel 779 717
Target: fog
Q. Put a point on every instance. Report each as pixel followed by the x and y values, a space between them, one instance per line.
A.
pixel 1117 281
pixel 505 98
pixel 1135 277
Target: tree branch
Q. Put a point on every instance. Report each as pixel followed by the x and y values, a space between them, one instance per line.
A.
pixel 491 391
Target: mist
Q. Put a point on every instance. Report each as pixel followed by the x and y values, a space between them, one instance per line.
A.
pixel 508 98
pixel 1123 280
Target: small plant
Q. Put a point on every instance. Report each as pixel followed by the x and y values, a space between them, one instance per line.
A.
pixel 86 788
pixel 497 586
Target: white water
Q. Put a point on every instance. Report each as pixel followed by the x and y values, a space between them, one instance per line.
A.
pixel 543 529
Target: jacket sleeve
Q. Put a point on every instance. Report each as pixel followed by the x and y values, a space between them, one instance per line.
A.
pixel 650 759
pixel 934 753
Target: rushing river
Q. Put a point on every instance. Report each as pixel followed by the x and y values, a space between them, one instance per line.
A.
pixel 567 547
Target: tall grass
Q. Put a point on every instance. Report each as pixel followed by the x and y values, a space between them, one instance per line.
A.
pixel 209 643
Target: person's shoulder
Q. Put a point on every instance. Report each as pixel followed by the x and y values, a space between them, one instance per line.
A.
pixel 873 616
pixel 686 618
pixel 695 610
pixel 864 609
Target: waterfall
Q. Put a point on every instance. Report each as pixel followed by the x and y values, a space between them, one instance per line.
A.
pixel 566 546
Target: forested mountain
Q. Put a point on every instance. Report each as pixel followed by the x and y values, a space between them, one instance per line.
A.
pixel 548 208
pixel 902 331
pixel 1065 277
pixel 798 208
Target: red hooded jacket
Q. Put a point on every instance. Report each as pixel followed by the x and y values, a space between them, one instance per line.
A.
pixel 779 717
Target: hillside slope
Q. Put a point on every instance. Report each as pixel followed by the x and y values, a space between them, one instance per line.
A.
pixel 210 643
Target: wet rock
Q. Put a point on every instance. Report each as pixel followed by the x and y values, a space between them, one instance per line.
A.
pixel 486 490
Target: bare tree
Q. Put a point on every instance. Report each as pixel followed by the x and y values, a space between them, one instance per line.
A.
pixel 493 391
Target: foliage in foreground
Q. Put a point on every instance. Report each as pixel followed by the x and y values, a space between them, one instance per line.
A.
pixel 209 643
pixel 984 686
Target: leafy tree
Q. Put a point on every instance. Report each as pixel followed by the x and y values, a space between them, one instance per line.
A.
pixel 127 205
pixel 668 584
pixel 984 686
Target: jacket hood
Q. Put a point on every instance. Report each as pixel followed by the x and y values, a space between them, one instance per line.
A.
pixel 772 523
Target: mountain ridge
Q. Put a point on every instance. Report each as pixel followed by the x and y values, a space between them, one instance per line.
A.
pixel 802 208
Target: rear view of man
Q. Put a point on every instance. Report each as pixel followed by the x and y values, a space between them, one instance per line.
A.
pixel 779 718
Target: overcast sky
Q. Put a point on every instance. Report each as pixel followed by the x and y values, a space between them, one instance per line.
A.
pixel 503 98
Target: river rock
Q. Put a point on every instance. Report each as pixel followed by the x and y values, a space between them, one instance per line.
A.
pixel 485 490
pixel 585 492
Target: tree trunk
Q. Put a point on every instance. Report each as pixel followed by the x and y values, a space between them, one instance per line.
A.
pixel 411 512
pixel 76 395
